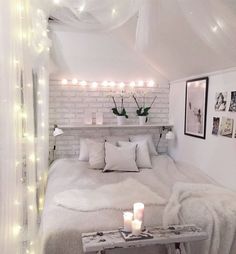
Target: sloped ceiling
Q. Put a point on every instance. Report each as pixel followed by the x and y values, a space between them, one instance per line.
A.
pixel 175 50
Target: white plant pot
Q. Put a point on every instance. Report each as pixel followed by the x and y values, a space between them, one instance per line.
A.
pixel 142 120
pixel 120 120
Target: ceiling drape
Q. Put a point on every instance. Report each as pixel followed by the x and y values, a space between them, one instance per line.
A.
pixel 23 123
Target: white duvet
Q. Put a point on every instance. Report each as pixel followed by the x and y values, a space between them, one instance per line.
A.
pixel 62 225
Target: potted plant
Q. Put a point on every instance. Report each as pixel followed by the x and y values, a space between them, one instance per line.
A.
pixel 143 112
pixel 120 113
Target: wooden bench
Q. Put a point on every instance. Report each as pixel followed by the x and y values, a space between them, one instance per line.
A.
pixel 101 241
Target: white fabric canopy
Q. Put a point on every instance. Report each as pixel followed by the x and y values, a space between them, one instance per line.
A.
pixel 23 123
pixel 94 15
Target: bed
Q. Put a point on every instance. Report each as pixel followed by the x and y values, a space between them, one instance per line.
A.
pixel 61 227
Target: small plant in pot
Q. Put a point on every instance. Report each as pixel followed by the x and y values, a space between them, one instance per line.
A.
pixel 120 112
pixel 143 112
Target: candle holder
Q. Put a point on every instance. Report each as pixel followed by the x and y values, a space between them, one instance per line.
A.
pixel 128 236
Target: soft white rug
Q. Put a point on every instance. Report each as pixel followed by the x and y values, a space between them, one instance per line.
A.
pixel 119 196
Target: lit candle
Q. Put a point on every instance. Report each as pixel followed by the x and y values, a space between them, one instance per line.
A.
pixel 128 217
pixel 99 118
pixel 139 211
pixel 136 227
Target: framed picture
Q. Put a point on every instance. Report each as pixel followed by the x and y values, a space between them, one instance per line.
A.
pixel 196 107
pixel 227 127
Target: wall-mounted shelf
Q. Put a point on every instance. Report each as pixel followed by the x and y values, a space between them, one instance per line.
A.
pixel 94 126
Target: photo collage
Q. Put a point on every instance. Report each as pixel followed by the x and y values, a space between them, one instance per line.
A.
pixel 224 126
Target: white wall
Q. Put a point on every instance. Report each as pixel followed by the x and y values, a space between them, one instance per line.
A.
pixel 216 155
pixel 98 57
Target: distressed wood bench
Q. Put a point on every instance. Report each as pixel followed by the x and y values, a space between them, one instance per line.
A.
pixel 99 242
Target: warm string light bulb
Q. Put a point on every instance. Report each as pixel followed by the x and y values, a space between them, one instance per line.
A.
pixel 151 83
pixel 64 82
pixel 140 83
pixel 74 81
pixel 122 85
pixel 16 230
pixel 83 83
pixel 105 83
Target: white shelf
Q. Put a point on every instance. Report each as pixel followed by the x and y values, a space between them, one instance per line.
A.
pixel 88 126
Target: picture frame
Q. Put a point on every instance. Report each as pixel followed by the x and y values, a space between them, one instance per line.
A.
pixel 196 96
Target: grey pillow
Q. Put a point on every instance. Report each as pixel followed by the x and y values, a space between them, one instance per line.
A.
pixel 115 139
pixel 142 153
pixel 120 158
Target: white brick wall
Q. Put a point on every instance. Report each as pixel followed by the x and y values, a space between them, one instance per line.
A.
pixel 68 103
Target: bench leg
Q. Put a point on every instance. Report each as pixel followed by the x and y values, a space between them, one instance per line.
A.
pixel 177 248
pixel 101 252
pixel 173 248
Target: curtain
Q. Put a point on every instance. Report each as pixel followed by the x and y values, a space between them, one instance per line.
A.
pixel 23 123
pixel 95 15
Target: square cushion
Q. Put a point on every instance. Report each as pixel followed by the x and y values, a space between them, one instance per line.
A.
pixel 120 158
pixel 142 153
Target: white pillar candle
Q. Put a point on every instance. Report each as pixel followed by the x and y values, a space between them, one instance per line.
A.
pixel 139 211
pixel 136 227
pixel 128 217
pixel 99 118
pixel 88 117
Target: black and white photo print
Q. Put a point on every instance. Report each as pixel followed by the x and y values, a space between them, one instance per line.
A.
pixel 226 127
pixel 216 125
pixel 232 106
pixel 221 100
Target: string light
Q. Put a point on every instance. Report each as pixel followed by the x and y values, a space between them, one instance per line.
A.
pixel 151 83
pixel 74 81
pixel 105 83
pixel 132 84
pixel 122 85
pixel 94 85
pixel 83 83
pixel 56 1
pixel 32 158
pixel 112 83
pixel 31 207
pixel 114 11
pixel 140 83
pixel 31 189
pixel 16 230
pixel 64 82
pixel 81 8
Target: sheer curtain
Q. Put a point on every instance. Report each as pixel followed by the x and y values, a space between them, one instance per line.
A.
pixel 95 15
pixel 23 123
pixel 214 21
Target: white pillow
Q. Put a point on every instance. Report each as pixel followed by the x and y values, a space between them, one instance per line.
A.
pixel 120 158
pixel 96 154
pixel 143 158
pixel 115 139
pixel 84 152
pixel 148 138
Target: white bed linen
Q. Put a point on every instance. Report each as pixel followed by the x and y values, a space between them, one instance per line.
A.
pixel 61 228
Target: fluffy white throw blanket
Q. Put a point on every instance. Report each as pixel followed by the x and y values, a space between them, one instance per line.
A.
pixel 211 207
pixel 119 196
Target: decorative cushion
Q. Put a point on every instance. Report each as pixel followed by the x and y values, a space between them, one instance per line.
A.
pixel 149 139
pixel 115 139
pixel 84 152
pixel 120 158
pixel 96 154
pixel 142 153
